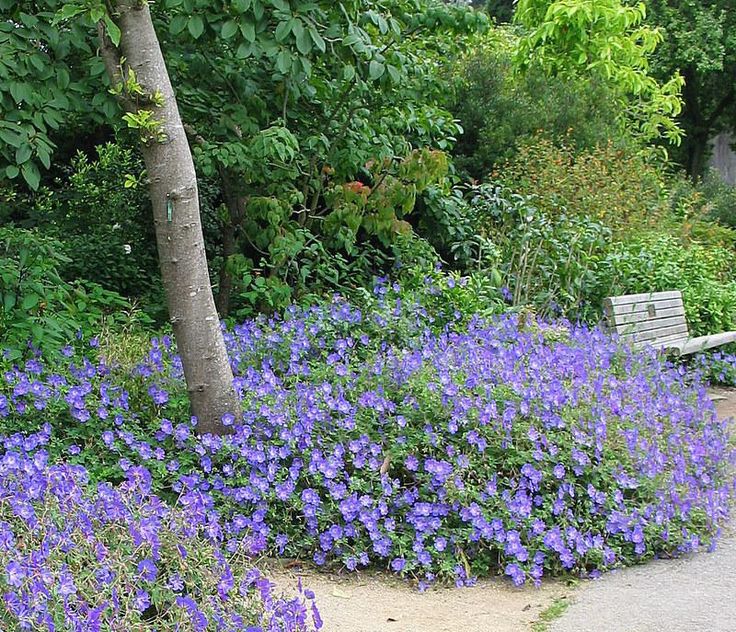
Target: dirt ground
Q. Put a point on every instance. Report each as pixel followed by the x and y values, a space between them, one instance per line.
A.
pixel 381 603
pixel 373 602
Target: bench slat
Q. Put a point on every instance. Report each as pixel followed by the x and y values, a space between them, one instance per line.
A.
pixel 643 307
pixel 675 342
pixel 650 297
pixel 643 315
pixel 654 334
pixel 654 323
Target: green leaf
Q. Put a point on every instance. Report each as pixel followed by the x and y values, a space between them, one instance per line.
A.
pixel 283 30
pixel 31 174
pixel 283 61
pixel 113 30
pixel 12 171
pixel 376 70
pixel 9 301
pixel 62 78
pixel 29 301
pixel 196 26
pixel 229 29
pixel 244 51
pixel 19 91
pixel 248 29
pixel 241 6
pixel 317 39
pixel 44 156
pixel 69 10
pixel 303 40
pixel 23 153
pixel 178 24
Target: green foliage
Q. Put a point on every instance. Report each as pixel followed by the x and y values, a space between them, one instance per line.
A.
pixel 103 225
pixel 699 42
pixel 499 109
pixel 547 260
pixel 44 86
pixel 720 198
pixel 38 307
pixel 286 256
pixel 605 39
pixel 705 274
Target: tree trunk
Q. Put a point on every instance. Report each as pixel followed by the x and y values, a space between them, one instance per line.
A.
pixel 175 199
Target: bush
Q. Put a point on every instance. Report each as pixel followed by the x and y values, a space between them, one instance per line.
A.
pixel 547 260
pixel 660 262
pixel 119 558
pixel 721 199
pixel 501 110
pixel 38 307
pixel 104 223
pixel 618 188
pixel 381 436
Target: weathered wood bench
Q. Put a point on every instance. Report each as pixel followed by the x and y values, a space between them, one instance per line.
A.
pixel 657 319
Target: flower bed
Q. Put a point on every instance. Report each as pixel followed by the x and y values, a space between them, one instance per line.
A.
pixel 120 558
pixel 526 449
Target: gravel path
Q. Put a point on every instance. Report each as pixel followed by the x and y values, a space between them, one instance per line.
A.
pixel 380 603
pixel 696 593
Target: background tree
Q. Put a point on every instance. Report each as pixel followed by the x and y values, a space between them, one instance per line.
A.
pixel 699 41
pixel 606 39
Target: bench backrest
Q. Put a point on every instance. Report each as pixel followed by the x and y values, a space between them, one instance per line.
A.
pixel 656 318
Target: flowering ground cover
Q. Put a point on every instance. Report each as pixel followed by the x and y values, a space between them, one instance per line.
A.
pixel 384 437
pixel 118 558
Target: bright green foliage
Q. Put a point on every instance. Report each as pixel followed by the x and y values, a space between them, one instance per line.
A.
pixel 605 39
pixel 704 274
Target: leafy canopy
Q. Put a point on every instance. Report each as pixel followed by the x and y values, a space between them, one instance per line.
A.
pixel 607 39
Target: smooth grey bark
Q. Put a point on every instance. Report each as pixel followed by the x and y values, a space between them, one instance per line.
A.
pixel 175 200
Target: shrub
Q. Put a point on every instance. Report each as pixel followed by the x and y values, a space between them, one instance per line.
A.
pixel 619 188
pixel 104 223
pixel 547 260
pixel 501 110
pixel 38 307
pixel 721 199
pixel 661 262
pixel 384 437
pixel 120 558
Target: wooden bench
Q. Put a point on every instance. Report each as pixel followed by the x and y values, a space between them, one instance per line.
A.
pixel 657 319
